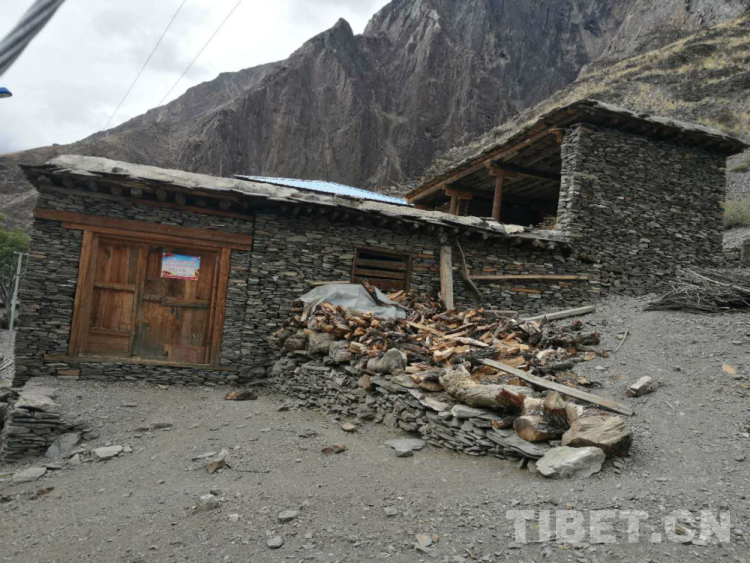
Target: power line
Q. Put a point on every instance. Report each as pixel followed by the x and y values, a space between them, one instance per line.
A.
pixel 201 51
pixel 21 35
pixel 111 117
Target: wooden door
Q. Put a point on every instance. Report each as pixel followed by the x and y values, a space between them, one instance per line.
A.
pixel 174 317
pixel 112 297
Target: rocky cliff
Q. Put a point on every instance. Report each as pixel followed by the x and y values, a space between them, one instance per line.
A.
pixel 375 109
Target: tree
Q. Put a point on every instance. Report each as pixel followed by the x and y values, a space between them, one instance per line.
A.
pixel 11 241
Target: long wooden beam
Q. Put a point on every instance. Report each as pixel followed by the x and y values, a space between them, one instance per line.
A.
pixel 497 200
pixel 446 276
pixel 494 155
pixel 562 389
pixel 529 277
pixel 242 242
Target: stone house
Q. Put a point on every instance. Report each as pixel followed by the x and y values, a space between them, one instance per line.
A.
pixel 138 272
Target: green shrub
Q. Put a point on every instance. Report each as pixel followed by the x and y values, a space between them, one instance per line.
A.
pixel 737 213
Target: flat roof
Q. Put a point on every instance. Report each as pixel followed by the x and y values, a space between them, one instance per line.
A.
pixel 88 174
pixel 514 137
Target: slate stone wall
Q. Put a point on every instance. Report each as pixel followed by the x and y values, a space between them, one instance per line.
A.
pixel 640 208
pixel 288 252
pixel 48 291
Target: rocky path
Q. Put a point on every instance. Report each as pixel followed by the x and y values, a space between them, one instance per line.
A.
pixel 690 452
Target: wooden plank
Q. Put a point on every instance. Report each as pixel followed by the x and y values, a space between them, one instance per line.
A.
pixel 457 193
pixel 524 290
pixel 144 227
pixel 138 295
pixel 563 314
pixel 136 361
pixel 79 324
pixel 219 302
pixel 562 389
pixel 384 264
pixel 361 272
pixel 319 283
pixel 155 238
pixel 446 276
pixel 529 277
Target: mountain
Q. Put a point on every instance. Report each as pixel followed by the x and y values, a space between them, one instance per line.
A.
pixel 374 110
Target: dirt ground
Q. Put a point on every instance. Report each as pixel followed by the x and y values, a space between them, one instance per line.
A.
pixel 691 441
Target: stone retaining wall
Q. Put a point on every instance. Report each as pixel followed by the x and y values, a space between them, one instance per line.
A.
pixel 335 389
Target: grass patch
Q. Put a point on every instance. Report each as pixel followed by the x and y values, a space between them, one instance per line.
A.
pixel 736 213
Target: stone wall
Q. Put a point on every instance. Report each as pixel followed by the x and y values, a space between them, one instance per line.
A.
pixel 335 389
pixel 289 252
pixel 48 291
pixel 640 208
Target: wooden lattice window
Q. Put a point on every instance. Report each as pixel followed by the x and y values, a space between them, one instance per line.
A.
pixel 386 270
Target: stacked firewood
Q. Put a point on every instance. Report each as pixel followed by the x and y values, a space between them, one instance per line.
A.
pixel 489 360
pixel 431 337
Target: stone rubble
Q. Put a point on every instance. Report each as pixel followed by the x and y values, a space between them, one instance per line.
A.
pixel 33 423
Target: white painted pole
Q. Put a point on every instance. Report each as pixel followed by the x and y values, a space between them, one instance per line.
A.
pixel 14 300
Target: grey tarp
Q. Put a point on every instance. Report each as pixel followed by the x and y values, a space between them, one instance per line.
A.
pixel 352 296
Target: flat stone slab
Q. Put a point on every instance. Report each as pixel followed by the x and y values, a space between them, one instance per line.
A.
pixel 36 402
pixel 566 462
pixel 107 452
pixel 29 475
pixel 63 445
pixel 406 447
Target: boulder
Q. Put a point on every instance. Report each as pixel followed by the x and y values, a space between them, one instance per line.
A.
pixel 320 342
pixel 608 433
pixel 564 462
pixel 391 361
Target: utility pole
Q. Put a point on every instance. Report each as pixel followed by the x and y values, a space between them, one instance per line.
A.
pixel 14 299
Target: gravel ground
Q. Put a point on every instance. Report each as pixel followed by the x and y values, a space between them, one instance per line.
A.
pixel 690 437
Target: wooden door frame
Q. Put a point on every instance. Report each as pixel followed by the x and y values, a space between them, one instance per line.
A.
pixel 86 274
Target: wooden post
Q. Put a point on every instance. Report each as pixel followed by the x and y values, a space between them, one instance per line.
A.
pixel 454 205
pixel 497 202
pixel 446 276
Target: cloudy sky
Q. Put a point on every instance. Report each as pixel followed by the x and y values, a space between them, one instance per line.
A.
pixel 70 79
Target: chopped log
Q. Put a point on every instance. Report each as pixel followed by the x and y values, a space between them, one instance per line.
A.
pixel 318 283
pixel 563 314
pixel 441 356
pixel 458 383
pixel 562 389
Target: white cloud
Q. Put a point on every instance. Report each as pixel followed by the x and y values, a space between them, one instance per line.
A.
pixel 72 76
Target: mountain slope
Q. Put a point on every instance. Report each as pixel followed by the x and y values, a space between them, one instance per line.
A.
pixel 375 109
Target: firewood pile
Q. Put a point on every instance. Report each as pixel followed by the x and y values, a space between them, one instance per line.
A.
pixel 488 361
pixel 707 291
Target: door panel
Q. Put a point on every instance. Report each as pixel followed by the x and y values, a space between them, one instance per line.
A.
pixel 112 298
pixel 175 318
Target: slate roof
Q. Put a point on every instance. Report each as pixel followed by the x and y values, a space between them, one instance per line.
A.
pixel 322 186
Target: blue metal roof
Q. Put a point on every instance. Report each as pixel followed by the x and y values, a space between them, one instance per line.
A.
pixel 330 188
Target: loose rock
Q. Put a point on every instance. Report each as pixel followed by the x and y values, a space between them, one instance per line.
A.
pixel 29 475
pixel 565 462
pixel 609 433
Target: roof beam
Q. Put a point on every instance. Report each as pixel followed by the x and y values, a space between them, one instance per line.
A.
pixel 495 155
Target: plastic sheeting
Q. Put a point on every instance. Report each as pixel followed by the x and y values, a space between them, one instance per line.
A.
pixel 352 296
